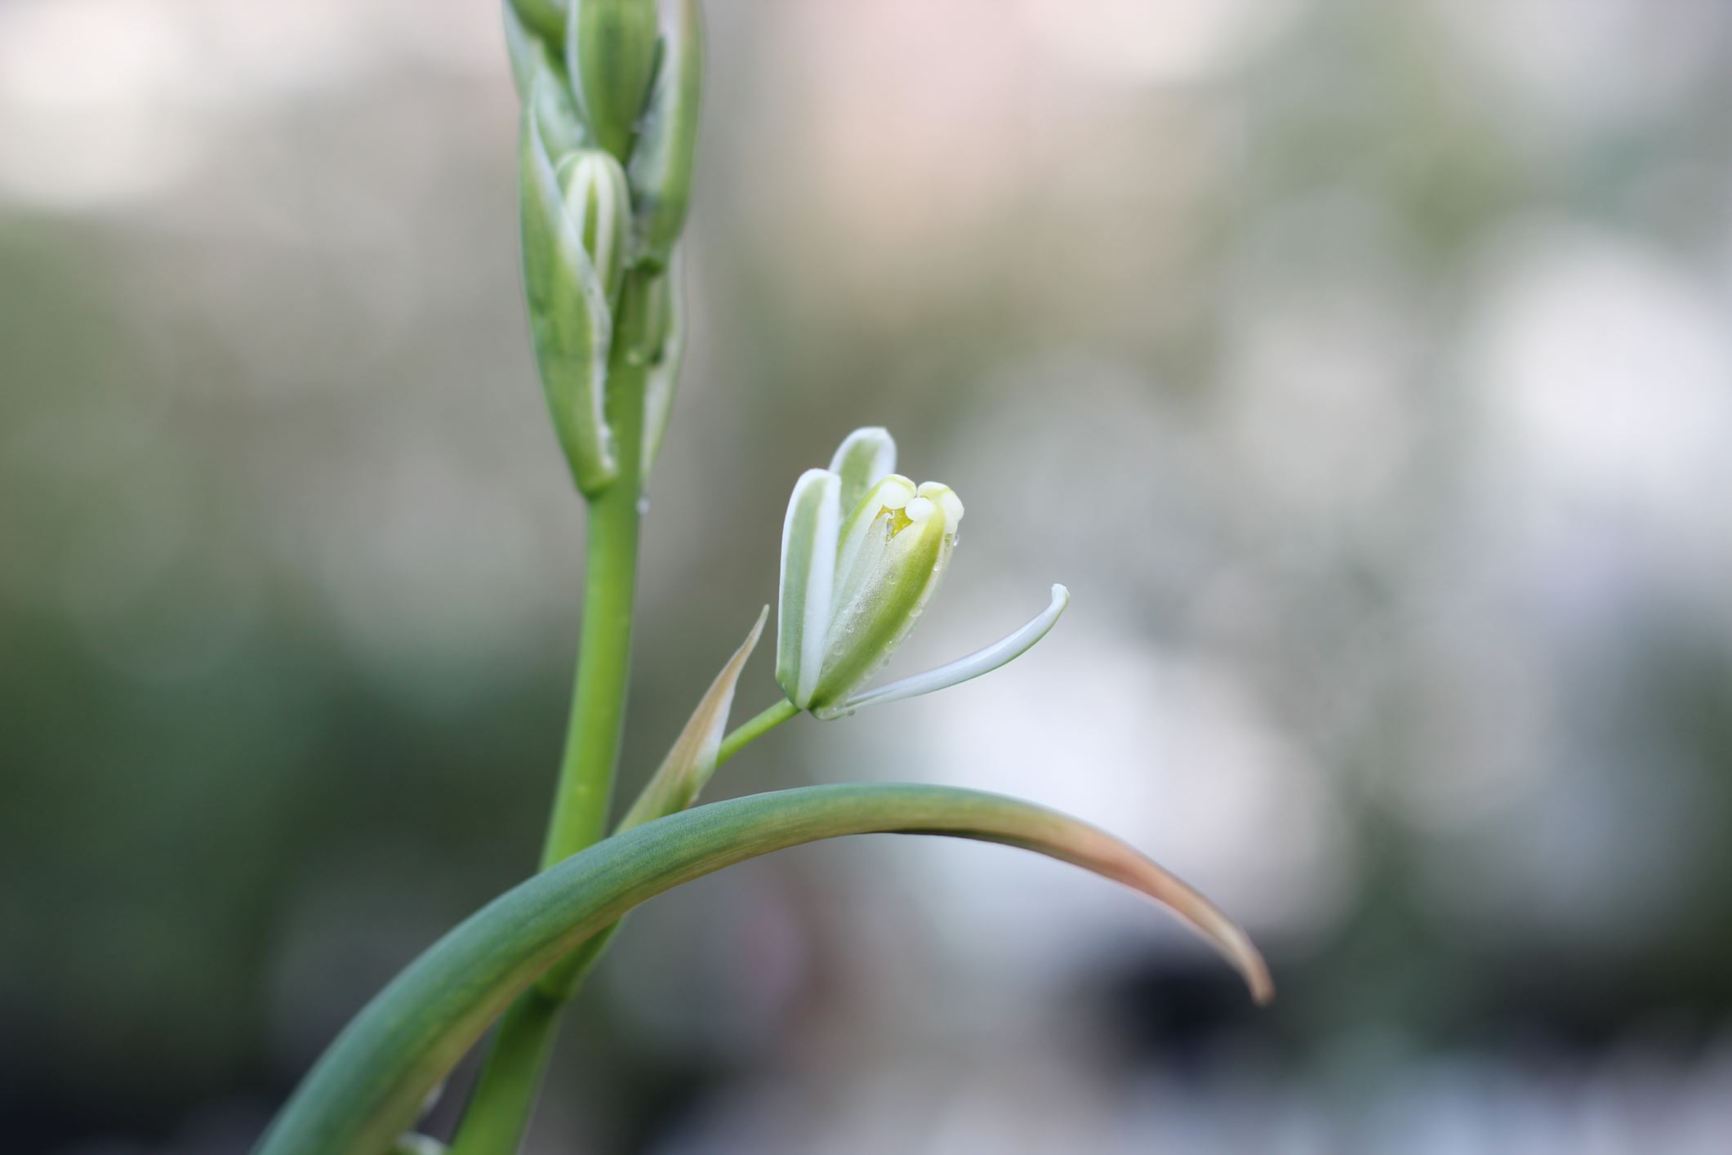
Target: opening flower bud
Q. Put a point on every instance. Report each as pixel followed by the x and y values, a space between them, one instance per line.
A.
pixel 571 210
pixel 863 551
pixel 599 208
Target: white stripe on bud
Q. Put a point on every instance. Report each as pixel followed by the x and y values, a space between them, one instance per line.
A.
pixel 599 208
pixel 571 319
pixel 808 576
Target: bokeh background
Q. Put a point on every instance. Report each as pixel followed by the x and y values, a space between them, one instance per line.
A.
pixel 1365 369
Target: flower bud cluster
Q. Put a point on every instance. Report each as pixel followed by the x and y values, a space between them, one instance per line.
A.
pixel 610 90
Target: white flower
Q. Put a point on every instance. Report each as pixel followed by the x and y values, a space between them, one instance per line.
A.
pixel 863 550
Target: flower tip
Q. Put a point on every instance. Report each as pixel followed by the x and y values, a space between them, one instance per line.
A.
pixel 945 498
pixel 864 457
pixel 1249 962
pixel 893 492
pixel 813 476
pixel 868 437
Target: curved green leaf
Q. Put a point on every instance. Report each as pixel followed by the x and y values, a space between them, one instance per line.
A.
pixel 674 787
pixel 369 1085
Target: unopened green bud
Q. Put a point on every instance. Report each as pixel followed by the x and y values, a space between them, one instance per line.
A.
pixel 610 51
pixel 863 550
pixel 661 162
pixel 556 115
pixel 571 319
pixel 597 204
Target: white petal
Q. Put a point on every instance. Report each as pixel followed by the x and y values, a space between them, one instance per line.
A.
pixel 865 456
pixel 980 662
pixel 808 576
pixel 892 492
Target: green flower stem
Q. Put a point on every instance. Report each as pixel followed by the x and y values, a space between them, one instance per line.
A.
pixel 504 1097
pixel 585 790
pixel 754 728
pixel 586 774
pixel 563 981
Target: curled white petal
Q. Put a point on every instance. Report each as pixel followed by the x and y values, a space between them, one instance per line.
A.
pixel 808 574
pixel 599 207
pixel 870 450
pixel 1006 649
pixel 816 635
pixel 864 457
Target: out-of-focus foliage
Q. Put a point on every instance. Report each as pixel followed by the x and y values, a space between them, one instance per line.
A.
pixel 1364 370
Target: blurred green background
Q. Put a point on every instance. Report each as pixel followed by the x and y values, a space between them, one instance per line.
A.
pixel 1365 370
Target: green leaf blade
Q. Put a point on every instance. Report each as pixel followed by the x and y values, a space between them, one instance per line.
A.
pixel 369 1086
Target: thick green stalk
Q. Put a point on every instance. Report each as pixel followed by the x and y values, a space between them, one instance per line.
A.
pixel 504 1097
pixel 592 740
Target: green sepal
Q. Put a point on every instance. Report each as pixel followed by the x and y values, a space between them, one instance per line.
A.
pixel 545 18
pixel 522 48
pixel 661 161
pixel 531 54
pixel 548 96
